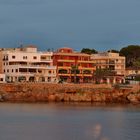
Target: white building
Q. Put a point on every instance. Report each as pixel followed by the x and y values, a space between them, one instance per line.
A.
pixel 27 64
pixel 2 78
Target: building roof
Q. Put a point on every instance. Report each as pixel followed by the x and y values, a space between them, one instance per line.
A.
pixel 65 48
pixel 71 54
pixel 30 46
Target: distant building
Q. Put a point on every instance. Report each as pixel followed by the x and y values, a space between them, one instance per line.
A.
pixel 132 75
pixel 112 62
pixel 73 66
pixel 132 71
pixel 2 75
pixel 27 64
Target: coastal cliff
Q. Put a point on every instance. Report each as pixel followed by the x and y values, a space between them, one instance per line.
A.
pixel 43 92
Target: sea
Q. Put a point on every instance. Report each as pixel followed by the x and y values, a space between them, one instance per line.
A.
pixel 69 121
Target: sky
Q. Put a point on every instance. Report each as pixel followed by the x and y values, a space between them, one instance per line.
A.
pixel 98 24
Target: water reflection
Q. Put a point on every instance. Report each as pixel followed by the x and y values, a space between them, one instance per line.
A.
pixel 95 132
pixel 69 121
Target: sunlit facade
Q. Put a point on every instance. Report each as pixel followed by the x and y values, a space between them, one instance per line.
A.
pixel 27 64
pixel 73 66
pixel 112 62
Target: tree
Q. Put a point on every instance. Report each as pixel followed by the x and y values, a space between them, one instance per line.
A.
pixel 132 54
pixel 113 51
pixel 75 71
pixel 62 71
pixel 88 51
pixel 86 72
pixel 103 73
pixel 137 78
pixel 136 63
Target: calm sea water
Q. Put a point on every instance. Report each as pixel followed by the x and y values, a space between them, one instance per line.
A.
pixel 69 122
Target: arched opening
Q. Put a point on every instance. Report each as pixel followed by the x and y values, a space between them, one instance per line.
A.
pixel 21 78
pixel 32 79
pixel 41 79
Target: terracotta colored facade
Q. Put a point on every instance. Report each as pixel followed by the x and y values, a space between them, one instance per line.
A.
pixel 73 66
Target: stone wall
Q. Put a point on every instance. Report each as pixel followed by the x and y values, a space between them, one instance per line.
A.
pixel 41 92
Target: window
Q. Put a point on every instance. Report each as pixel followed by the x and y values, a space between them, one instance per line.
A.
pixel 136 71
pixel 24 57
pixel 13 56
pixel 16 70
pixel 32 70
pixel 16 78
pixel 34 57
pixel 12 70
pixel 60 64
pixel 43 57
pixel 22 69
pixel 49 79
pixel 7 70
pixel 50 72
pixel 1 79
pixel 39 71
pixel 4 70
pixel 5 58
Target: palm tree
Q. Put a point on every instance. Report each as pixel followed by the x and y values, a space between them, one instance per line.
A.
pixel 75 71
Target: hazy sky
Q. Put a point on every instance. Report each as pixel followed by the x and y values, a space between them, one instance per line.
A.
pixel 99 24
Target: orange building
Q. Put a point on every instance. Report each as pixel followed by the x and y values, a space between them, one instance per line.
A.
pixel 73 66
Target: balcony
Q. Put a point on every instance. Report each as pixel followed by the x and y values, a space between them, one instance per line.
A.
pixel 85 61
pixel 85 68
pixel 36 74
pixel 77 74
pixel 64 74
pixel 64 67
pixel 112 62
pixel 65 60
pixel 46 60
pixel 33 66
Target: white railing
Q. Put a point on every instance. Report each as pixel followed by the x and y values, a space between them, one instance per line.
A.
pixel 33 66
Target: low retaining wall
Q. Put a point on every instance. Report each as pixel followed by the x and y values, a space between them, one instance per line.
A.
pixel 41 92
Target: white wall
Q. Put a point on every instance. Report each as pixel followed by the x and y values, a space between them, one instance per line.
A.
pixel 27 56
pixel 2 78
pixel 16 57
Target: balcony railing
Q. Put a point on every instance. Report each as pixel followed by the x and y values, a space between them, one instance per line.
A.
pixel 48 60
pixel 5 59
pixel 33 66
pixel 36 73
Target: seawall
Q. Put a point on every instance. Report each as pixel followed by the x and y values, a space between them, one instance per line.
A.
pixel 43 92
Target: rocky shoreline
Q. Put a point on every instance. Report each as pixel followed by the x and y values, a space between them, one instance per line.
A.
pixel 43 92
